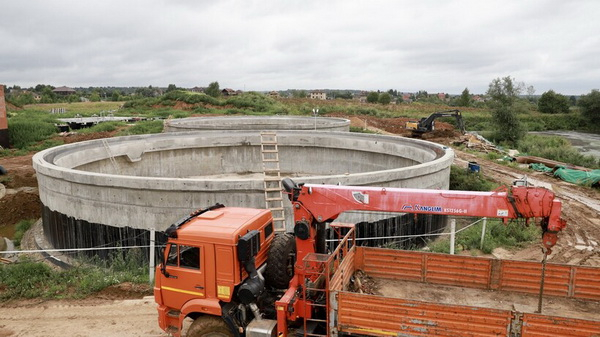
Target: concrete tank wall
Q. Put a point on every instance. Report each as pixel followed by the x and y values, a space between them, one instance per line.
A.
pixel 156 179
pixel 258 123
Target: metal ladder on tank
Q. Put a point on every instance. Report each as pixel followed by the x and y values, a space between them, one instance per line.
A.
pixel 272 179
pixel 111 157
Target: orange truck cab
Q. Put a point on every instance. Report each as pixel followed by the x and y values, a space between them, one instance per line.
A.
pixel 212 270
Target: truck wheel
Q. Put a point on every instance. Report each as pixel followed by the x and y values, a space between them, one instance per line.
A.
pixel 209 326
pixel 281 261
pixel 2 171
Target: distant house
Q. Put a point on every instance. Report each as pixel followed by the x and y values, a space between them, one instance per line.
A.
pixel 64 91
pixel 198 89
pixel 361 97
pixel 228 92
pixel 318 94
pixel 406 97
pixel 441 96
pixel 274 94
pixel 477 98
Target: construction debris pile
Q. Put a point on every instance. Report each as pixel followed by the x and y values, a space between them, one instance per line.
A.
pixel 477 142
pixel 567 172
pixel 362 283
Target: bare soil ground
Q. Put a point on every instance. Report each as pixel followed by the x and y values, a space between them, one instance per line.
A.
pixel 21 200
pixel 89 317
pixel 113 313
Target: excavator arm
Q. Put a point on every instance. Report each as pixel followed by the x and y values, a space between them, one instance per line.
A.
pixel 426 123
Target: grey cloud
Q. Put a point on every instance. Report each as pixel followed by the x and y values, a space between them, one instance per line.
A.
pixel 265 45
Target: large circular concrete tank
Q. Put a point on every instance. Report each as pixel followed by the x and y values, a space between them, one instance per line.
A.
pixel 257 123
pixel 143 182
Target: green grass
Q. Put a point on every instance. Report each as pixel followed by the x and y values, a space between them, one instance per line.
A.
pixel 85 109
pixel 30 279
pixel 462 180
pixel 497 234
pixel 45 144
pixel 102 127
pixel 515 234
pixel 20 228
pixel 361 130
pixel 143 127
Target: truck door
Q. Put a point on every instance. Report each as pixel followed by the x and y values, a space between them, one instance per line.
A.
pixel 186 276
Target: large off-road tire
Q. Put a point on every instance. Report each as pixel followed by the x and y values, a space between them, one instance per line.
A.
pixel 209 326
pixel 281 261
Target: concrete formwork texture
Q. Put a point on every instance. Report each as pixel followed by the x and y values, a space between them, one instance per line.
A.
pixel 142 182
pixel 257 123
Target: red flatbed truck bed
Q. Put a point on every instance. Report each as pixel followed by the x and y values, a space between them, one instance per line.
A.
pixel 475 296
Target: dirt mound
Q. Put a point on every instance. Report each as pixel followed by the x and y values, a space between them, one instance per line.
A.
pixel 20 172
pixel 12 107
pixel 179 105
pixel 15 207
pixel 126 290
pixel 397 126
pixel 441 133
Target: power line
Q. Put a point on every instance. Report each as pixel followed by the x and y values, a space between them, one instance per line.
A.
pixel 72 249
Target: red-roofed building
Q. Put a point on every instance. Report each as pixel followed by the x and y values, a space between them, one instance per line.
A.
pixel 64 91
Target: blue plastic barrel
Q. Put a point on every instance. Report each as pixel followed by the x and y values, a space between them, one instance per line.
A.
pixel 473 167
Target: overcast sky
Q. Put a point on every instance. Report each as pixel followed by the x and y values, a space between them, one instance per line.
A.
pixel 437 46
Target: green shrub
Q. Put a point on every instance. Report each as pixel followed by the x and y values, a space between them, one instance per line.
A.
pixel 22 132
pixel 462 180
pixel 195 98
pixel 141 103
pixel 279 110
pixel 102 127
pixel 359 110
pixel 555 148
pixel 252 101
pixel 143 127
pixel 202 110
pixel 235 111
pixel 493 155
pixel 46 144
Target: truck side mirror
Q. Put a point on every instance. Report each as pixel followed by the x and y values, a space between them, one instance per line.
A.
pixel 248 246
pixel 163 262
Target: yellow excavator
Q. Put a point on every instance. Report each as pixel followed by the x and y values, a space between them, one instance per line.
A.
pixel 427 124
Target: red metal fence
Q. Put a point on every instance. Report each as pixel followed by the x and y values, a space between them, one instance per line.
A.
pixel 535 325
pixel 482 273
pixel 370 315
pixel 383 316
